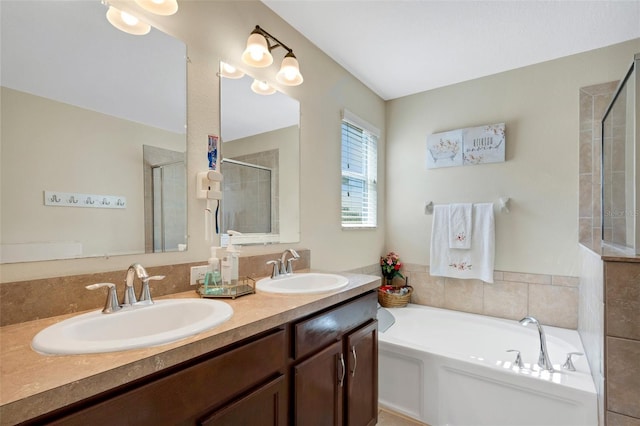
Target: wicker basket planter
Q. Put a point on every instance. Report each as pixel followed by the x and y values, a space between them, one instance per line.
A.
pixel 395 299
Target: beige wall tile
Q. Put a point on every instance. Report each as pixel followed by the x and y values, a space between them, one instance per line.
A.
pixel 554 305
pixel 565 281
pixel 615 419
pixel 427 290
pixel 505 299
pixel 623 376
pixel 623 299
pixel 527 278
pixel 464 295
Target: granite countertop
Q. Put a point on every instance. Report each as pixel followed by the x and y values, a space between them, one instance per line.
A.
pixel 32 384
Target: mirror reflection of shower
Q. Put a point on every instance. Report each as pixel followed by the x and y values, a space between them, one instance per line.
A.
pixel 165 200
pixel 250 189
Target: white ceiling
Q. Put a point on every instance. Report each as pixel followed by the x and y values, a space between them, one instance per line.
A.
pixel 402 47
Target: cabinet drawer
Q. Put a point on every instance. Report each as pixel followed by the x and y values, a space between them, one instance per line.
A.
pixel 182 397
pixel 318 331
pixel 266 406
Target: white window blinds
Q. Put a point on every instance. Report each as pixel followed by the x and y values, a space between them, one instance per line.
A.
pixel 359 172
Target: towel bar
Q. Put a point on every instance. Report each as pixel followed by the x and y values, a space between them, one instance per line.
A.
pixel 503 205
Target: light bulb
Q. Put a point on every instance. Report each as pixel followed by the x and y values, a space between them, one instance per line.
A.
pixel 126 22
pixel 229 71
pixel 256 54
pixel 262 88
pixel 129 19
pixel 289 73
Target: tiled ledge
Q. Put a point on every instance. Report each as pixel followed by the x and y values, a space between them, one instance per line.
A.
pixel 552 299
pixel 36 299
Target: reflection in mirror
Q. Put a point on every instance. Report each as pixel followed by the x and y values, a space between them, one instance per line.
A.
pixel 619 174
pixel 88 109
pixel 261 163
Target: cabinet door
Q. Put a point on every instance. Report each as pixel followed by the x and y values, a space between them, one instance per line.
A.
pixel 266 406
pixel 362 376
pixel 318 388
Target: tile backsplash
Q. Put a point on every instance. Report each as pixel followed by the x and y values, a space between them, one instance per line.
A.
pixel 552 299
pixel 30 300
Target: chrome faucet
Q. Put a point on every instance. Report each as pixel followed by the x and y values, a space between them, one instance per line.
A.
pixel 145 295
pixel 287 268
pixel 129 295
pixel 283 266
pixel 129 298
pixel 543 358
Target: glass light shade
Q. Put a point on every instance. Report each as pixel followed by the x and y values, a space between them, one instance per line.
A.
pixel 127 22
pixel 289 73
pixel 257 52
pixel 229 71
pixel 262 88
pixel 159 7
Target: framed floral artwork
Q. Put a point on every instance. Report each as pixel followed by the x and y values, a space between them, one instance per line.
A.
pixel 464 147
pixel 444 149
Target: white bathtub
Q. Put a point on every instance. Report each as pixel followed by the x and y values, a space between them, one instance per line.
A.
pixel 451 368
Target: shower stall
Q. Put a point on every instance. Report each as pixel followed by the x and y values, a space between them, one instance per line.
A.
pixel 620 161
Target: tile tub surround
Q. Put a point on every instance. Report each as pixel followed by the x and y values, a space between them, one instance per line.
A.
pixel 593 103
pixel 35 299
pixel 552 299
pixel 34 384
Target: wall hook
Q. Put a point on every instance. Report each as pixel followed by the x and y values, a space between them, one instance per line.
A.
pixel 428 207
pixel 505 204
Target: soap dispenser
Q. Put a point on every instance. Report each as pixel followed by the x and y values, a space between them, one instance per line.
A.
pixel 213 270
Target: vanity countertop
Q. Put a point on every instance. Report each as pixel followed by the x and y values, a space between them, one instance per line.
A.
pixel 32 384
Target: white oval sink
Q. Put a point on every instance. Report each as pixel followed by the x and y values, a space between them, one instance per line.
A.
pixel 309 283
pixel 132 327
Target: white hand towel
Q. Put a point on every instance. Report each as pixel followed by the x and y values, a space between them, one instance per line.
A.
pixel 460 226
pixel 474 263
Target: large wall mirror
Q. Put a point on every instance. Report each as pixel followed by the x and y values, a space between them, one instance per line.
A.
pixel 93 135
pixel 260 163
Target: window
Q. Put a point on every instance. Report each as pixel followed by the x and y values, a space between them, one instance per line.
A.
pixel 359 172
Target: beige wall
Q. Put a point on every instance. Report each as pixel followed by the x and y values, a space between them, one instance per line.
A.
pixel 218 30
pixel 540 106
pixel 73 150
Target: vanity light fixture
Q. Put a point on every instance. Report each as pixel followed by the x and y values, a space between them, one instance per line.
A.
pixel 159 7
pixel 229 71
pixel 126 22
pixel 258 54
pixel 262 88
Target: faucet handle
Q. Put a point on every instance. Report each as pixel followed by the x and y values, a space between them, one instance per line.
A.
pixel 111 305
pixel 568 364
pixel 518 360
pixel 289 268
pixel 145 294
pixel 275 273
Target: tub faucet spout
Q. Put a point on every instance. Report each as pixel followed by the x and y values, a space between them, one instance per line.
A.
pixel 543 358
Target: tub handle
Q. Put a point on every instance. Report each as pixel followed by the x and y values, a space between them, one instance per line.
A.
pixel 355 361
pixel 343 370
pixel 568 364
pixel 518 360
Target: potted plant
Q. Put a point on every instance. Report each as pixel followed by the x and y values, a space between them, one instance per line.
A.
pixel 389 295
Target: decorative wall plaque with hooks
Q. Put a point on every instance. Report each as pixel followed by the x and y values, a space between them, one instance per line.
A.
pixel 72 199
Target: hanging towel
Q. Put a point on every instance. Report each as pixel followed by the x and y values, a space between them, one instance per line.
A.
pixel 474 263
pixel 460 226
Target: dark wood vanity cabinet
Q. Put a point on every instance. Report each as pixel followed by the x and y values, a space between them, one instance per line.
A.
pixel 243 382
pixel 335 381
pixel 320 370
